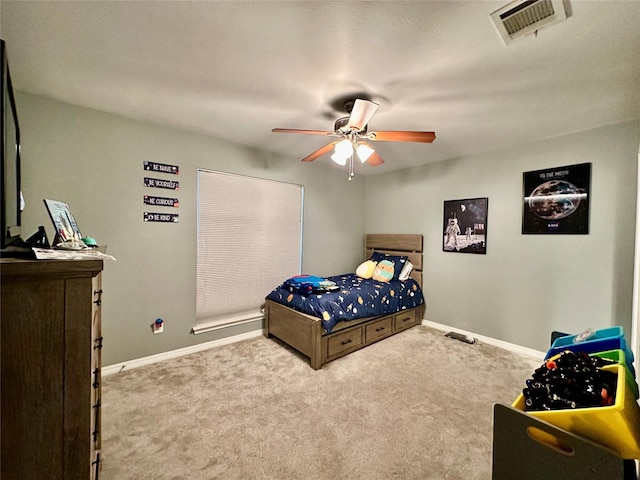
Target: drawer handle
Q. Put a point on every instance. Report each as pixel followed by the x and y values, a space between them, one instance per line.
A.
pixel 379 329
pixel 96 462
pixel 344 342
pixel 98 293
pixel 96 420
pixel 406 319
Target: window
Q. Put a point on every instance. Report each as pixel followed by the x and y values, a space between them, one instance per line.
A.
pixel 249 241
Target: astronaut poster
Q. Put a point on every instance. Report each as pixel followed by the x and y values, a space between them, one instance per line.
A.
pixel 465 225
pixel 556 200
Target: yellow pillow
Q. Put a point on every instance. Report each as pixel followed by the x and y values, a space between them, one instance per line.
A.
pixel 365 269
pixel 383 271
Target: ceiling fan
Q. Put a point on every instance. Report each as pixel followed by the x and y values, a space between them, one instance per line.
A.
pixel 353 132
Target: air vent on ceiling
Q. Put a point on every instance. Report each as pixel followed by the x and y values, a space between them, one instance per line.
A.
pixel 523 17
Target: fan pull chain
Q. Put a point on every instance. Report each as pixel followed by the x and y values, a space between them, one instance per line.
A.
pixel 351 174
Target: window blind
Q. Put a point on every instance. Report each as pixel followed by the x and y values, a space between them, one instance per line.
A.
pixel 249 241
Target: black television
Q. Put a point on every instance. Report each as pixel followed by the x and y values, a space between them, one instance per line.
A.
pixel 11 194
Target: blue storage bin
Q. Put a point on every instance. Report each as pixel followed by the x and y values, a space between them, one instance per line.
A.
pixel 611 338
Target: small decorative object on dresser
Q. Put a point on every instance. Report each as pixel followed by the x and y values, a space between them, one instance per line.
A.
pixel 366 307
pixel 50 365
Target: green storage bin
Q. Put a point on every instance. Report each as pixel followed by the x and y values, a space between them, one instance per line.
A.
pixel 619 357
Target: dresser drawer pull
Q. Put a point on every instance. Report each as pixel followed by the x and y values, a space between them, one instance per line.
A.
pixel 97 343
pixel 98 293
pixel 96 462
pixel 344 342
pixel 96 420
pixel 406 319
pixel 96 384
pixel 379 329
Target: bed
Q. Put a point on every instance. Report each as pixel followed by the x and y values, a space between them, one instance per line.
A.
pixel 308 334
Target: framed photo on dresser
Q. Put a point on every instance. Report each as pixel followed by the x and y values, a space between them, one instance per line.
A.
pixel 63 221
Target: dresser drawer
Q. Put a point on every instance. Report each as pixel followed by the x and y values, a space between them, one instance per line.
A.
pixel 343 342
pixel 378 329
pixel 405 320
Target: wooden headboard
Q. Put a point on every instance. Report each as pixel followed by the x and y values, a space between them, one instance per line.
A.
pixel 408 244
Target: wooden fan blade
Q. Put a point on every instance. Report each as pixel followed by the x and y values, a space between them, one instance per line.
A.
pixel 318 153
pixel 402 136
pixel 294 130
pixel 361 113
pixel 374 159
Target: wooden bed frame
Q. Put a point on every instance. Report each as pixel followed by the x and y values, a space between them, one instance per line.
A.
pixel 305 333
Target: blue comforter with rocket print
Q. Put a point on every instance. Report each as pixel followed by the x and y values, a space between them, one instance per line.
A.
pixel 354 298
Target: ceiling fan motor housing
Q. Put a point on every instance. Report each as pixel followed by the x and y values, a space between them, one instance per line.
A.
pixel 348 105
pixel 343 122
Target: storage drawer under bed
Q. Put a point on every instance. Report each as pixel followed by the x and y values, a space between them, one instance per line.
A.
pixel 378 329
pixel 344 341
pixel 404 320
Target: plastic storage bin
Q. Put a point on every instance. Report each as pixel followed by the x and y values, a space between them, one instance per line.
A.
pixel 605 339
pixel 616 426
pixel 620 357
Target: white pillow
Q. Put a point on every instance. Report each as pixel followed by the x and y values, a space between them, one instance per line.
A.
pixel 406 271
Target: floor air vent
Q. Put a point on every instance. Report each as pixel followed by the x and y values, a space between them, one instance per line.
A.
pixel 522 17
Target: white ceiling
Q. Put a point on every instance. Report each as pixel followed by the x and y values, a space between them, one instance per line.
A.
pixel 236 69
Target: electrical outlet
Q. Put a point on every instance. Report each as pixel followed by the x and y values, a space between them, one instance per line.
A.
pixel 158 326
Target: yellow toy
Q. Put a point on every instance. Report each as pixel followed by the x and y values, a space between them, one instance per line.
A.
pixel 365 269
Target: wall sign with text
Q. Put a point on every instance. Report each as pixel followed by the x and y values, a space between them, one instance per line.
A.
pixel 161 167
pixel 160 183
pixel 161 201
pixel 158 201
pixel 161 217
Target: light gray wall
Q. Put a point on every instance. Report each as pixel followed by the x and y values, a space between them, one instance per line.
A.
pixel 526 286
pixel 93 161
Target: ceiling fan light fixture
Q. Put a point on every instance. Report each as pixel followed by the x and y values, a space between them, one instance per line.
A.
pixel 340 160
pixel 364 152
pixel 344 148
pixel 343 151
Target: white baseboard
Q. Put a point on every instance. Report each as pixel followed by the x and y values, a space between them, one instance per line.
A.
pixel 512 347
pixel 139 362
pixel 180 352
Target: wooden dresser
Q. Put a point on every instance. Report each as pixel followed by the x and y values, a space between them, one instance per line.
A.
pixel 50 359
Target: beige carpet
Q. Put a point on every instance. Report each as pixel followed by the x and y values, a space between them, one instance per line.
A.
pixel 417 405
